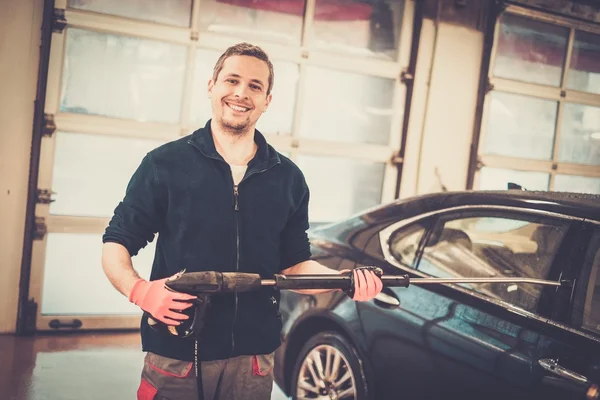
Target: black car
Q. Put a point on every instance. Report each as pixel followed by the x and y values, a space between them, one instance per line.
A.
pixel 458 340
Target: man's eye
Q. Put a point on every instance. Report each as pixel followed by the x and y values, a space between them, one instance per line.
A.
pixel 255 87
pixel 231 80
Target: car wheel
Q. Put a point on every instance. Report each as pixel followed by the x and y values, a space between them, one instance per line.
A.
pixel 328 368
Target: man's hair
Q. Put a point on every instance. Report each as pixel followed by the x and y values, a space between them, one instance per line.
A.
pixel 245 49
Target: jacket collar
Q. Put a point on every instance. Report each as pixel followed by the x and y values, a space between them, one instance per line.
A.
pixel 265 156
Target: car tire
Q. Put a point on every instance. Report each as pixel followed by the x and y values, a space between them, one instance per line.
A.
pixel 335 347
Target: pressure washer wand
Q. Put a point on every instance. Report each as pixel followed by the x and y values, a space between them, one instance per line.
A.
pixel 342 282
pixel 208 282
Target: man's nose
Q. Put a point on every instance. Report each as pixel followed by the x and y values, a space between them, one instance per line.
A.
pixel 241 91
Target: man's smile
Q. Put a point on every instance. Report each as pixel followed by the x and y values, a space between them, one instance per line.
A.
pixel 236 107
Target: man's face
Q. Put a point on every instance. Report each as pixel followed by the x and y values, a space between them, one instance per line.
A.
pixel 239 94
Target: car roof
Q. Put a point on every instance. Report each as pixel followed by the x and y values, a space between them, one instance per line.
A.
pixel 582 205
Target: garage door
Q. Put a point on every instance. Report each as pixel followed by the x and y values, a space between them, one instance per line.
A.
pixel 128 76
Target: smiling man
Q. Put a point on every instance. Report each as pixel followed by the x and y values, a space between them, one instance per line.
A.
pixel 238 100
pixel 220 199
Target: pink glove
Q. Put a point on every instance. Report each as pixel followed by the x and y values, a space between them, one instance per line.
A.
pixel 155 298
pixel 367 283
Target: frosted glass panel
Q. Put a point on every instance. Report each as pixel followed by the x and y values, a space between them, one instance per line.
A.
pixel 279 117
pixel 349 186
pixel 74 282
pixel 530 51
pixel 498 179
pixel 170 12
pixel 520 126
pixel 122 77
pixel 353 108
pixel 580 134
pixel 201 109
pixel 584 74
pixel 263 20
pixel 91 172
pixel 577 184
pixel 359 28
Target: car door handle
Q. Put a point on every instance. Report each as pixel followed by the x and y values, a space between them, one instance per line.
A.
pixel 386 298
pixel 552 365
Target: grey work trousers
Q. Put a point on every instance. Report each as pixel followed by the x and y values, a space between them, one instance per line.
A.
pixel 243 377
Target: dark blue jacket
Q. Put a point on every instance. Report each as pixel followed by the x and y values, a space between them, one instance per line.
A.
pixel 184 191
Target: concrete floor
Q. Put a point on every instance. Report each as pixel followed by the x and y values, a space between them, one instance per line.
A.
pixel 73 367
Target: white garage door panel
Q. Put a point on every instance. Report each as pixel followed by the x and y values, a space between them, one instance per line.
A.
pixel 91 172
pixel 74 282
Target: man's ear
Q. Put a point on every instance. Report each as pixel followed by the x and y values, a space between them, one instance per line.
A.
pixel 267 102
pixel 211 84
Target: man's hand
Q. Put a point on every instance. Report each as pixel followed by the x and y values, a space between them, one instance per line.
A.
pixel 162 303
pixel 366 283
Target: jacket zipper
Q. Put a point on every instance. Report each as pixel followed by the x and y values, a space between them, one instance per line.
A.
pixel 236 208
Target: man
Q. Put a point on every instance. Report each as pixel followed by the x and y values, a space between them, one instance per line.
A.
pixel 221 199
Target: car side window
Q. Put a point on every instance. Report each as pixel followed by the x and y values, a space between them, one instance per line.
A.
pixel 400 242
pixel 591 305
pixel 494 246
pixel 404 243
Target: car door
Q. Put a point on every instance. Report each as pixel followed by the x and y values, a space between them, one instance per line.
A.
pixel 470 340
pixel 569 353
pixel 398 362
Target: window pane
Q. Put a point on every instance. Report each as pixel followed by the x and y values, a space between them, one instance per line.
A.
pixel 91 172
pixel 74 283
pixel 584 73
pixel 404 243
pixel 170 12
pixel 274 21
pixel 353 108
pixel 203 70
pixel 520 126
pixel 349 186
pixel 580 134
pixel 122 77
pixel 577 184
pixel 530 51
pixel 279 117
pixel 359 28
pixel 591 309
pixel 471 247
pixel 498 179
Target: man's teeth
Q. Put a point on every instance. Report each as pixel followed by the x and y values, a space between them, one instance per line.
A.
pixel 238 108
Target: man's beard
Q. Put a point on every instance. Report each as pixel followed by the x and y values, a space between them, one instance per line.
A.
pixel 235 129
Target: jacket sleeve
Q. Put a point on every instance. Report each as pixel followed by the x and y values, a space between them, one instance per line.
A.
pixel 138 217
pixel 295 246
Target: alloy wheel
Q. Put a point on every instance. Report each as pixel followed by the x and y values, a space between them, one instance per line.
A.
pixel 325 374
